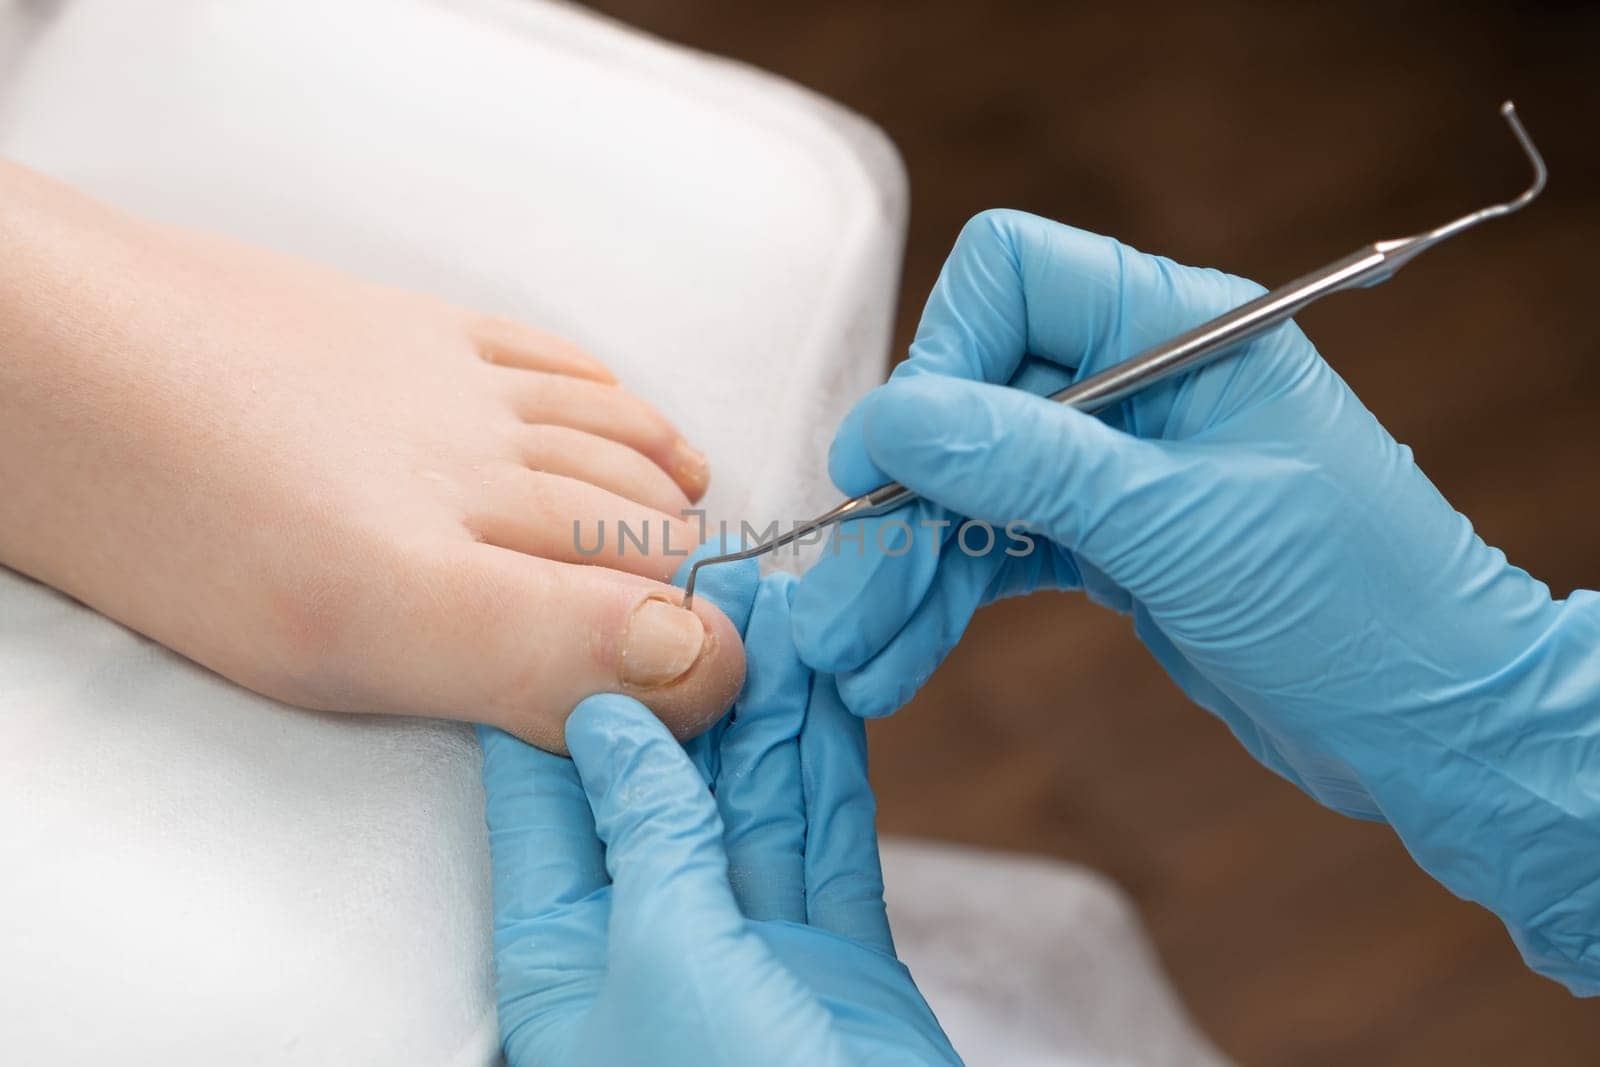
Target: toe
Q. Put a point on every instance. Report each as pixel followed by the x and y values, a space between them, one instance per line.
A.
pixel 534 637
pixel 601 462
pixel 510 343
pixel 606 411
pixel 570 520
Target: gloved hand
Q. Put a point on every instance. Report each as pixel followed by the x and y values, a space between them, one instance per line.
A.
pixel 1281 555
pixel 641 918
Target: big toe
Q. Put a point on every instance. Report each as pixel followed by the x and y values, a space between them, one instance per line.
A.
pixel 516 642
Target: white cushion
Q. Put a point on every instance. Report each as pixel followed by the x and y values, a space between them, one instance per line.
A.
pixel 1032 962
pixel 193 873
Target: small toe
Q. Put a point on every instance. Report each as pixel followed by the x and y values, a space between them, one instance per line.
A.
pixel 510 343
pixel 612 413
pixel 569 520
pixel 603 462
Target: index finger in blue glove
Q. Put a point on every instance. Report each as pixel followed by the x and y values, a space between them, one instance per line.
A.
pixel 999 455
pixel 541 831
pixel 1018 285
pixel 908 658
pixel 871 578
pixel 758 785
pixel 730 586
pixel 679 948
pixel 974 326
pixel 844 880
pixel 549 881
pixel 660 826
pixel 869 590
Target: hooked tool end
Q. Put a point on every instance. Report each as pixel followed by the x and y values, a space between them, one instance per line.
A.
pixel 1509 111
pixel 688 583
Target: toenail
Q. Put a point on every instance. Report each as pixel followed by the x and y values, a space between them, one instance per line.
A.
pixel 662 642
pixel 689 463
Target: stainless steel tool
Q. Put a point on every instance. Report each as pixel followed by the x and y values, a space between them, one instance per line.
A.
pixel 1366 266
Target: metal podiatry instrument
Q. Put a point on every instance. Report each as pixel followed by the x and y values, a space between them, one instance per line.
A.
pixel 1367 266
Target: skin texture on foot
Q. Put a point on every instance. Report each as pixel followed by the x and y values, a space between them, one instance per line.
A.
pixel 343 496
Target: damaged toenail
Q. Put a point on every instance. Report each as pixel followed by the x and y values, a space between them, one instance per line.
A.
pixel 662 642
pixel 689 463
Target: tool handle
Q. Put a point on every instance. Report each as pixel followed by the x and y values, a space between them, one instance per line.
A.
pixel 1211 340
pixel 1189 350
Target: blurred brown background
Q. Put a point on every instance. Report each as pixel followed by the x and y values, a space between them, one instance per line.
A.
pixel 1264 139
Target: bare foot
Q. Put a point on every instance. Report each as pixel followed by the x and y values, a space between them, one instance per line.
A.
pixel 343 496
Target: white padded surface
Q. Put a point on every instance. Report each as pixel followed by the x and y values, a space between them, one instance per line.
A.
pixel 196 875
pixel 722 238
pixel 1034 963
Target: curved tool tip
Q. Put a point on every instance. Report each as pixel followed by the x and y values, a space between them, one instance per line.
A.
pixel 1509 110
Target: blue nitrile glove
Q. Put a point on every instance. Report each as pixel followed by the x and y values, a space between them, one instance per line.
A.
pixel 1282 557
pixel 641 918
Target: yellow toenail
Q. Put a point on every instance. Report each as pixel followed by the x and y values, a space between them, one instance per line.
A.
pixel 662 643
